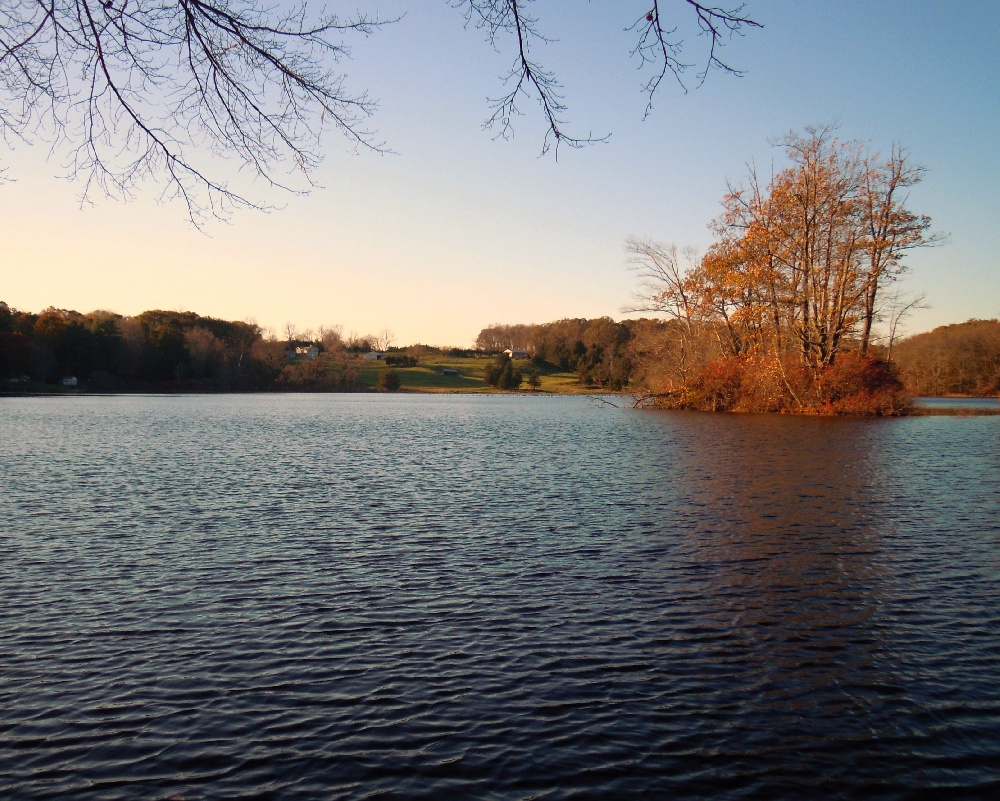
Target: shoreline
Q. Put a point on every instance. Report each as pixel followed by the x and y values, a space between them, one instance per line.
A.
pixel 915 411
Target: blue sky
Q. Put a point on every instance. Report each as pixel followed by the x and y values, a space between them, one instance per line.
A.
pixel 454 231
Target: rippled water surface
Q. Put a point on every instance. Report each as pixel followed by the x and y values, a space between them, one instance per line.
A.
pixel 493 597
pixel 957 403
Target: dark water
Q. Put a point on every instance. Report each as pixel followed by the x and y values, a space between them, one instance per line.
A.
pixel 493 597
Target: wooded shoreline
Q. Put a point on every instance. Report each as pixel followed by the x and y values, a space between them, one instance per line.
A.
pixel 162 352
pixel 630 400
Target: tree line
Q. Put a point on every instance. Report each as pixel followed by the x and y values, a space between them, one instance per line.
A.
pixel 169 350
pixel 600 351
pixel 161 350
pixel 960 359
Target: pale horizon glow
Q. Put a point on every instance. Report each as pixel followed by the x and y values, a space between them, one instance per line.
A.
pixel 456 231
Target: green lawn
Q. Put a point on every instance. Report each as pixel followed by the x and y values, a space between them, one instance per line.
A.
pixel 428 376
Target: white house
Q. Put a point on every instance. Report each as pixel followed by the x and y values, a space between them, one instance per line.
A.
pixel 516 354
pixel 307 352
pixel 374 356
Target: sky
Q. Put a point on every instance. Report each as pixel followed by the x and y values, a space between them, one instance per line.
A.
pixel 453 231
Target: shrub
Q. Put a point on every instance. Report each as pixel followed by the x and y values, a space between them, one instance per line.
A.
pixel 388 381
pixel 306 376
pixel 502 374
pixel 718 386
pixel 401 361
pixel 862 385
pixel 750 383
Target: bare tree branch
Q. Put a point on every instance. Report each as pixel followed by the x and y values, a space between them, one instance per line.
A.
pixel 659 45
pixel 157 90
pixel 665 285
pixel 142 90
pixel 900 307
pixel 527 79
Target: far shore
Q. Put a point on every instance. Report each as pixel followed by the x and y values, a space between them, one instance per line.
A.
pixel 564 389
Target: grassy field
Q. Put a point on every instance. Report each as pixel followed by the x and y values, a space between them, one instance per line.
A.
pixel 429 376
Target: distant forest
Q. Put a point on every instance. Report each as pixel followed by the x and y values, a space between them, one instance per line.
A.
pixel 960 359
pixel 168 351
pixel 600 351
pixel 183 351
pixel 173 351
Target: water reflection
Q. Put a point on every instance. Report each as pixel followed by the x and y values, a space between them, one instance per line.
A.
pixel 784 545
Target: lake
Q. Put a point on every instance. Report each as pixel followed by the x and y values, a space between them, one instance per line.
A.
pixel 498 597
pixel 958 404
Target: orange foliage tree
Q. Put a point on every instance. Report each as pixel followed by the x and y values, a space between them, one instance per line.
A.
pixel 798 271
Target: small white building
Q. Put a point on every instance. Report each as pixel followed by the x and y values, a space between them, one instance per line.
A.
pixel 374 356
pixel 516 354
pixel 307 352
pixel 68 381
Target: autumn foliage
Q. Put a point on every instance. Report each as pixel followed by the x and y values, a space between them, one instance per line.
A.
pixel 960 359
pixel 780 313
pixel 854 384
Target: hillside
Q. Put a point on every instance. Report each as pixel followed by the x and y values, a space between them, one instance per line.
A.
pixel 958 359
